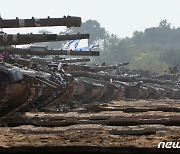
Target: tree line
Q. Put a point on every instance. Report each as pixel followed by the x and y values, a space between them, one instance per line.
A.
pixel 154 49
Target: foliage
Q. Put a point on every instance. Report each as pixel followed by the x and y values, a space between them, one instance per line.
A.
pixel 150 61
pixel 51 45
pixel 155 49
pixel 90 26
pixel 163 35
pixel 172 57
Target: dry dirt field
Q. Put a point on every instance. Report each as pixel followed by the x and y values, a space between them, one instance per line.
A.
pixel 116 127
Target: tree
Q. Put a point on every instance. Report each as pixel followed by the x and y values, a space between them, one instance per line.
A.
pixel 137 37
pixel 164 24
pixel 51 45
pixel 150 61
pixel 92 27
pixel 172 57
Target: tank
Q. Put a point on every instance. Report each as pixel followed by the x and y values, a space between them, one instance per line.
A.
pixel 23 90
pixel 27 89
pixel 35 84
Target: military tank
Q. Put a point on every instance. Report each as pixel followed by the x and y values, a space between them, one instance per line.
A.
pixel 29 84
pixel 116 86
pixel 23 88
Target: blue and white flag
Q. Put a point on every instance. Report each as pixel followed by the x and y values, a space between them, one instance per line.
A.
pixel 94 45
pixel 72 45
pixel 82 45
pixel 78 45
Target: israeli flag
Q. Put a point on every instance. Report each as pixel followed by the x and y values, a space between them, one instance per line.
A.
pixel 78 45
pixel 94 45
pixel 72 45
pixel 82 45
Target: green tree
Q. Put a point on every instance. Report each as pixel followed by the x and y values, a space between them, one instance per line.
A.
pixel 92 27
pixel 150 61
pixel 172 57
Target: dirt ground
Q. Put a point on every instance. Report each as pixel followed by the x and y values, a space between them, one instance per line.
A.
pixel 111 128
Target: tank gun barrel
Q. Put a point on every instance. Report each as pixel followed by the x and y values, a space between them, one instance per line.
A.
pixel 70 60
pixel 102 76
pixel 68 21
pixel 43 51
pixel 74 60
pixel 19 39
pixel 103 68
pixel 72 67
pixel 124 64
pixel 90 68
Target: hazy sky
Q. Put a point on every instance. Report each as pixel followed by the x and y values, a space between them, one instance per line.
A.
pixel 120 17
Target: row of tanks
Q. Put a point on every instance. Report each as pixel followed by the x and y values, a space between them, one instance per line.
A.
pixel 57 83
pixel 26 84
